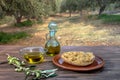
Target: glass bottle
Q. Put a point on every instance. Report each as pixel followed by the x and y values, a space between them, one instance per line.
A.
pixel 52 45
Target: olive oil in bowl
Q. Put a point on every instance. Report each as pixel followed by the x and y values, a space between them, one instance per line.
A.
pixel 34 57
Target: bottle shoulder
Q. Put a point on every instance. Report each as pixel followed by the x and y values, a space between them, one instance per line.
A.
pixel 52 43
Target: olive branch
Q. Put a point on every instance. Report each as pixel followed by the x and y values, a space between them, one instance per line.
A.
pixel 30 71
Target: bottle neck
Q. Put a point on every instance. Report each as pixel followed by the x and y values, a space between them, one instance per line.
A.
pixel 52 34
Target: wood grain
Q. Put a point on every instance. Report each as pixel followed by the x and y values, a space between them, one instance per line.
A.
pixel 110 54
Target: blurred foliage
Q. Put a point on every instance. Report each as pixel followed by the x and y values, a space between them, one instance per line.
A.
pixel 27 8
pixel 58 5
pixel 24 23
pixel 9 37
pixel 79 5
pixel 68 5
pixel 43 8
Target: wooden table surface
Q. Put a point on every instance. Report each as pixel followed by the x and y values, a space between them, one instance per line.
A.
pixel 110 54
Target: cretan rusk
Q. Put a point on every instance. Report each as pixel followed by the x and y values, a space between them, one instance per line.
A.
pixel 78 58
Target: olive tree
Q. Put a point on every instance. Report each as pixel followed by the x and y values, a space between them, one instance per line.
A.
pixel 58 5
pixel 102 4
pixel 2 5
pixel 83 5
pixel 74 5
pixel 26 8
pixel 69 5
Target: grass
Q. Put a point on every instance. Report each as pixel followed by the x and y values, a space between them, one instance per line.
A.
pixel 6 19
pixel 24 23
pixel 80 34
pixel 110 18
pixel 72 31
pixel 9 37
pixel 106 18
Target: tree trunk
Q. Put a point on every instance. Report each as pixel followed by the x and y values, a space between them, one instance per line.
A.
pixel 70 12
pixel 102 8
pixel 81 13
pixel 102 4
pixel 18 17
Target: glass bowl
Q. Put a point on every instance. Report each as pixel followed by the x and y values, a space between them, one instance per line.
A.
pixel 33 55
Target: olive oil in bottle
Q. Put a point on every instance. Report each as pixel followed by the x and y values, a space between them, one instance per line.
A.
pixel 52 45
pixel 52 51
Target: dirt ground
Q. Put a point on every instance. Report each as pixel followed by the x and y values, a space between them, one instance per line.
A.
pixel 71 31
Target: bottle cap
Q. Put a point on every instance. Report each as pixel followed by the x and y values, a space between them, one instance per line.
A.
pixel 53 26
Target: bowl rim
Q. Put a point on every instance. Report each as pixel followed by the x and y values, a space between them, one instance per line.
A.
pixel 30 48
